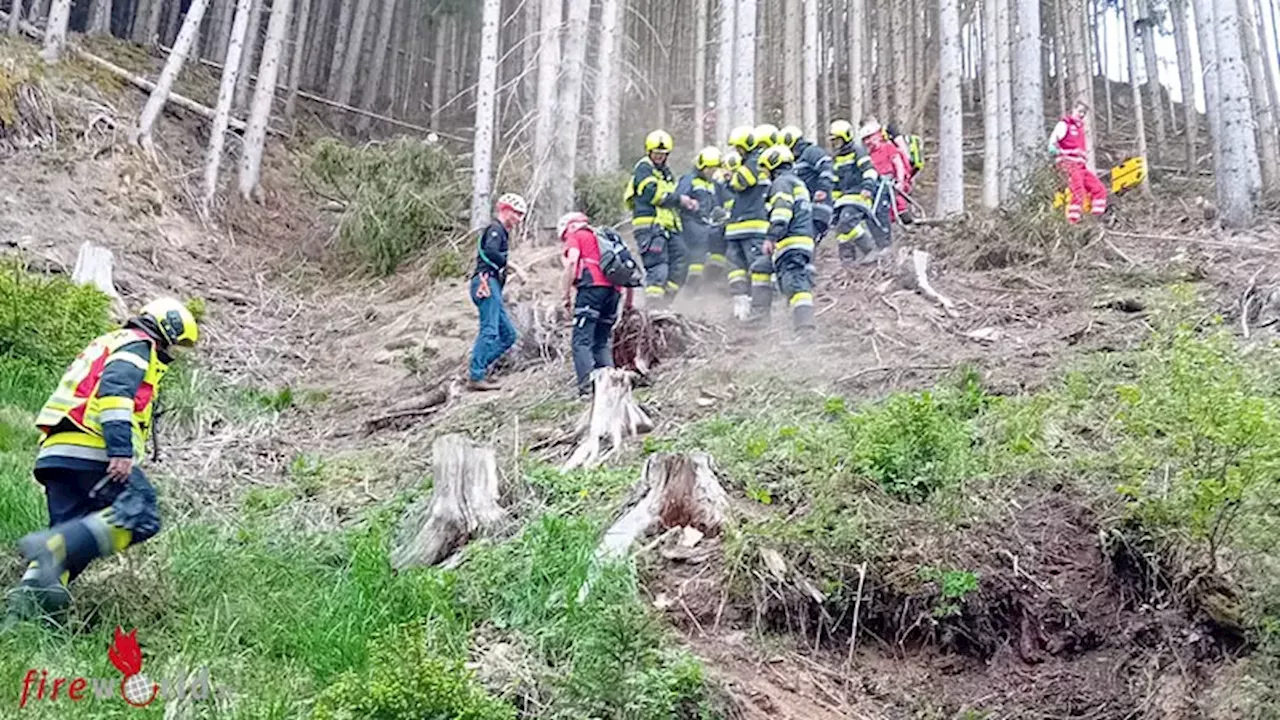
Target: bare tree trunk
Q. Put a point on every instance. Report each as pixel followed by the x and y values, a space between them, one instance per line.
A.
pixel 15 15
pixel 374 80
pixel 172 66
pixel 548 108
pixel 950 114
pixel 1004 46
pixel 1269 50
pixel 55 34
pixel 811 78
pixel 317 61
pixel 299 50
pixel 1104 65
pixel 604 136
pixel 264 92
pixel 573 67
pixel 99 18
pixel 1140 132
pixel 857 67
pixel 1178 9
pixel 226 94
pixel 792 38
pixel 1057 45
pixel 1235 176
pixel 247 56
pixel 355 43
pixel 1154 88
pixel 1028 93
pixel 437 68
pixel 486 101
pixel 1078 60
pixel 1263 110
pixel 342 37
pixel 990 105
pixel 700 24
pixel 744 91
pixel 1206 40
pixel 724 68
pixel 901 36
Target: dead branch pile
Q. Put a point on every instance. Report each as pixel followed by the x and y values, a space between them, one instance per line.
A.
pixel 642 339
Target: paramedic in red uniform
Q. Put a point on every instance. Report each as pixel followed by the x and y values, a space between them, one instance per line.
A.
pixel 1067 145
pixel 890 162
pixel 590 296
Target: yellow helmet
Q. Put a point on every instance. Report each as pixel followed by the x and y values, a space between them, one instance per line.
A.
pixel 766 135
pixel 731 160
pixel 842 130
pixel 742 138
pixel 173 319
pixel 776 156
pixel 659 141
pixel 790 135
pixel 708 158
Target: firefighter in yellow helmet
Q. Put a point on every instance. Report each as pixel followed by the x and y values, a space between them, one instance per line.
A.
pixel 94 430
pixel 654 203
pixel 717 248
pixel 856 194
pixel 789 249
pixel 748 222
pixel 700 224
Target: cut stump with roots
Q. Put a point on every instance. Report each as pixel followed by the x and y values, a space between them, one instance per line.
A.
pixel 463 504
pixel 614 415
pixel 676 490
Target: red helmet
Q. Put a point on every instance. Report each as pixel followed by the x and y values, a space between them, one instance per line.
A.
pixel 571 222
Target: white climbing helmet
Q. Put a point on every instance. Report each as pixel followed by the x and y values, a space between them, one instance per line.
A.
pixel 514 202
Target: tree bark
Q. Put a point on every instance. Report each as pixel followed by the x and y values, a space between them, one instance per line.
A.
pixel 342 35
pixel 573 68
pixel 486 101
pixel 351 63
pixel 264 92
pixel 15 15
pixel 858 68
pixel 744 90
pixel 1140 132
pixel 1178 10
pixel 1152 66
pixel 374 80
pixel 1268 51
pixel 1206 40
pixel 950 114
pixel 700 73
pixel 1103 70
pixel 811 79
pixel 792 39
pixel 317 61
pixel 675 491
pixel 990 106
pixel 173 66
pixel 299 53
pixel 1263 110
pixel 1028 93
pixel 55 34
pixel 437 68
pixel 226 95
pixel 614 415
pixel 901 37
pixel 99 18
pixel 1078 60
pixel 247 55
pixel 548 111
pixel 1004 47
pixel 1236 176
pixel 604 135
pixel 727 23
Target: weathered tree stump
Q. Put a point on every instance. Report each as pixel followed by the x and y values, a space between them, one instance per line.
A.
pixel 614 414
pixel 914 267
pixel 676 490
pixel 94 265
pixel 463 504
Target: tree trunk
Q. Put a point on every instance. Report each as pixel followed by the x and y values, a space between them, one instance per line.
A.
pixel 226 94
pixel 1178 9
pixel 299 53
pixel 811 78
pixel 675 491
pixel 15 15
pixel 247 56
pixel 462 505
pixel 950 114
pixel 1268 51
pixel 1078 60
pixel 374 79
pixel 614 415
pixel 342 37
pixel 990 106
pixel 901 30
pixel 604 135
pixel 725 69
pixel 264 92
pixel 700 23
pixel 857 67
pixel 1152 66
pixel 548 112
pixel 173 66
pixel 317 61
pixel 792 38
pixel 1028 93
pixel 55 34
pixel 99 18
pixel 1140 132
pixel 437 68
pixel 486 101
pixel 1004 47
pixel 1263 110
pixel 351 63
pixel 1235 176
pixel 573 67
pixel 529 50
pixel 744 90
pixel 1206 40
pixel 1057 50
pixel 1104 57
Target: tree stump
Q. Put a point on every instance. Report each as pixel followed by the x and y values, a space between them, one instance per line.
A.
pixel 463 504
pixel 614 414
pixel 913 267
pixel 676 490
pixel 94 267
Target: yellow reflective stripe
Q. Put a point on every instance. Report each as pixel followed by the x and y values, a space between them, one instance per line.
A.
pixel 760 225
pixel 784 196
pixel 717 259
pixel 802 298
pixel 655 291
pixel 112 402
pixel 696 268
pixel 796 241
pixel 760 278
pixel 643 221
pixel 781 214
pixel 130 358
pixel 737 275
pixel 116 415
pixel 645 183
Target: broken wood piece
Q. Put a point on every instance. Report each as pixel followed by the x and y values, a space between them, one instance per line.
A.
pixel 462 505
pixel 676 490
pixel 613 414
pixel 915 276
pixel 428 404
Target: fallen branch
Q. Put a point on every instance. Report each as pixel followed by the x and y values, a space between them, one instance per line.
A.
pixel 614 414
pixel 1198 241
pixel 914 276
pixel 430 404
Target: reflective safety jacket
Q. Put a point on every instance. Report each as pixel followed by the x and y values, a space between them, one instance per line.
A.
pixel 815 169
pixel 749 219
pixel 856 177
pixel 790 213
pixel 652 198
pixel 706 192
pixel 102 406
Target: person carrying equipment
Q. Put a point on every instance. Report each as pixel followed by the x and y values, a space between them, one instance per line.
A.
pixel 699 224
pixel 1067 145
pixel 94 430
pixel 590 294
pixel 790 245
pixel 496 334
pixel 717 249
pixel 652 198
pixel 861 217
pixel 748 223
pixel 892 163
pixel 813 166
pixel 912 146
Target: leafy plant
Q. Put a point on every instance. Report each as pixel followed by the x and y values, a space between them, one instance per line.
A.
pixel 953 587
pixel 600 196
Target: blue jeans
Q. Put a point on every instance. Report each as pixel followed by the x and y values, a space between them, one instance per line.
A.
pixel 497 334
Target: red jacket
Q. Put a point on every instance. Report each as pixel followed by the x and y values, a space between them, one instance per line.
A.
pixel 588 271
pixel 1072 145
pixel 883 155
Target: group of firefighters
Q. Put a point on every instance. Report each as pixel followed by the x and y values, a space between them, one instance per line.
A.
pixel 751 216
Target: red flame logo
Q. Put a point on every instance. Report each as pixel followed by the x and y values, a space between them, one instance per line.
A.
pixel 125 653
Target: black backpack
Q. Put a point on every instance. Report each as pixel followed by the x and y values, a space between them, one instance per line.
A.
pixel 616 261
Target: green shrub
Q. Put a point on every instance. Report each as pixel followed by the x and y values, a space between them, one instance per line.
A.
pixel 400 197
pixel 600 196
pixel 914 443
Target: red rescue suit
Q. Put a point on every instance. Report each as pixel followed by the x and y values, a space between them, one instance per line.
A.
pixel 1072 163
pixel 894 164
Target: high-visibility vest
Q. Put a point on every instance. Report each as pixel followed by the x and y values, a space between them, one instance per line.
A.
pixel 76 397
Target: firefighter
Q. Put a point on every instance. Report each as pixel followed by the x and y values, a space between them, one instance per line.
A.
pixel 790 243
pixel 857 220
pixel 717 250
pixel 892 164
pixel 767 136
pixel 813 166
pixel 94 430
pixel 748 223
pixel 1067 145
pixel 653 201
pixel 496 334
pixel 699 224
